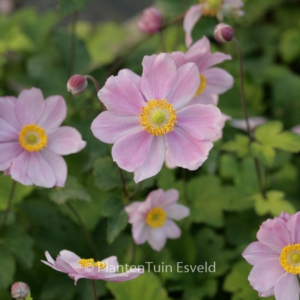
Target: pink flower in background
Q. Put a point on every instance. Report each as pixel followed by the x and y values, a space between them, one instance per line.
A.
pixel 149 114
pixel 253 123
pixel 276 258
pixel 296 129
pixel 77 268
pixel 219 8
pixel 31 141
pixel 152 219
pixel 150 20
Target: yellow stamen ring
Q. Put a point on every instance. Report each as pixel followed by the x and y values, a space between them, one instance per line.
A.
pixel 90 262
pixel 290 259
pixel 202 85
pixel 156 217
pixel 33 138
pixel 211 7
pixel 158 117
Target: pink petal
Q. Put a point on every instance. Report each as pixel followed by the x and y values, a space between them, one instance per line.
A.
pixel 7 132
pixel 169 197
pixel 154 161
pixel 257 251
pixel 285 216
pixel 131 151
pixel 7 111
pixel 201 122
pixel 266 294
pixel 159 76
pixel 212 59
pixel 199 51
pixel 172 230
pixel 131 75
pixel 54 114
pixel 185 151
pixel 30 106
pixel 168 162
pixel 108 127
pixel 253 123
pixel 218 81
pixel 131 208
pixel 205 99
pixel 185 86
pixel 121 96
pixel 293 225
pixel 63 265
pixel 140 232
pixel 58 165
pixel 9 151
pixel 179 58
pixel 296 129
pixel 49 257
pixel 177 211
pixel 71 258
pixel 157 238
pixel 65 140
pixel 265 273
pixel 190 19
pixel 19 168
pixel 287 287
pixel 112 264
pixel 129 275
pixel 154 199
pixel 224 119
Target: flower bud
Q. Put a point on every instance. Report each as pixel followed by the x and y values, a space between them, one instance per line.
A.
pixel 19 290
pixel 77 84
pixel 150 20
pixel 223 33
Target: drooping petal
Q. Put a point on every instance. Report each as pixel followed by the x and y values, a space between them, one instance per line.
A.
pixel 157 238
pixel 65 140
pixel 140 232
pixel 121 96
pixel 265 273
pixel 9 151
pixel 49 257
pixel 172 230
pixel 108 127
pixel 19 168
pixel 159 76
pixel 154 161
pixel 287 287
pixel 131 151
pixel 293 225
pixel 185 151
pixel 185 86
pixel 257 251
pixel 201 122
pixel 179 58
pixel 7 132
pixel 30 106
pixel 7 111
pixel 213 59
pixel 177 211
pixel 190 19
pixel 54 114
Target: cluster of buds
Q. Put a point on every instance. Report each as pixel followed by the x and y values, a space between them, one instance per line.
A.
pixel 150 20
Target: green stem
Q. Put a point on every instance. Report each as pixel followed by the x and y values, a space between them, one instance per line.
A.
pixel 97 87
pixel 9 204
pixel 125 192
pixel 94 290
pixel 136 190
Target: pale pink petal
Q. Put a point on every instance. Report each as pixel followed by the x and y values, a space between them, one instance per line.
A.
pixel 19 168
pixel 58 165
pixel 65 140
pixel 157 238
pixel 296 129
pixel 129 275
pixel 172 230
pixel 205 99
pixel 131 208
pixel 159 76
pixel 131 151
pixel 257 251
pixel 285 216
pixel 121 96
pixel 76 276
pixel 169 197
pixel 293 225
pixel 63 265
pixel 224 119
pixel 287 287
pixel 201 122
pixel 190 19
pixel 218 81
pixel 134 77
pixel 9 151
pixel 154 161
pixel 71 258
pixel 265 273
pixel 185 151
pixel 7 132
pixel 154 199
pixel 140 232
pixel 179 58
pixel 108 127
pixel 40 172
pixel 266 294
pixel 185 86
pixel 253 123
pixel 199 51
pixel 7 111
pixel 177 211
pixel 168 162
pixel 213 59
pixel 54 114
pixel 30 106
pixel 112 264
pixel 49 257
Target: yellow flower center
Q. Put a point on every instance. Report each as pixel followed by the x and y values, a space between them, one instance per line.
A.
pixel 90 262
pixel 290 258
pixel 156 217
pixel 33 138
pixel 158 117
pixel 202 85
pixel 211 7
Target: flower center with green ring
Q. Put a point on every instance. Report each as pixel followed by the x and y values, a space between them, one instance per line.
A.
pixel 290 259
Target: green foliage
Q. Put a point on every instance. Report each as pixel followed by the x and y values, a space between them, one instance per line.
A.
pixel 70 6
pixel 240 145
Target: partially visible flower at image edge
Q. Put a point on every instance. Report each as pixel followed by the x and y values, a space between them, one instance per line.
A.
pixel 276 258
pixel 70 263
pixel 152 220
pixel 31 141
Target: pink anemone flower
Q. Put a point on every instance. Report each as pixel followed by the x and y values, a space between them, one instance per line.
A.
pixel 31 141
pixel 149 114
pixel 152 220
pixel 276 258
pixel 70 263
pixel 219 8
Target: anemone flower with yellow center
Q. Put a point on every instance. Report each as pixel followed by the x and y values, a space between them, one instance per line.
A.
pixel 31 141
pixel 149 114
pixel 276 258
pixel 152 220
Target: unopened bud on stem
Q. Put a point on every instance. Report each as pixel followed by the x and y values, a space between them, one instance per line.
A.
pixel 223 33
pixel 150 20
pixel 19 290
pixel 77 84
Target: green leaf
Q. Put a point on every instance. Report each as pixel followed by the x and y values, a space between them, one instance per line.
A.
pixel 289 44
pixel 264 153
pixel 112 206
pixel 146 286
pixel 8 267
pixel 240 145
pixel 28 297
pixel 115 225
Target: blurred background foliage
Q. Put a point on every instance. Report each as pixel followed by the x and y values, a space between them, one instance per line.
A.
pixel 38 49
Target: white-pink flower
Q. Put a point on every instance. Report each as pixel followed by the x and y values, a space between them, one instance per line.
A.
pixel 253 123
pixel 70 263
pixel 276 258
pixel 31 141
pixel 152 220
pixel 218 8
pixel 149 114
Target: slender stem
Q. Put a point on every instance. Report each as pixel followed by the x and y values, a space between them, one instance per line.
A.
pixel 97 87
pixel 162 42
pixel 125 192
pixel 85 231
pixel 72 43
pixel 9 204
pixel 136 190
pixel 94 290
pixel 184 185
